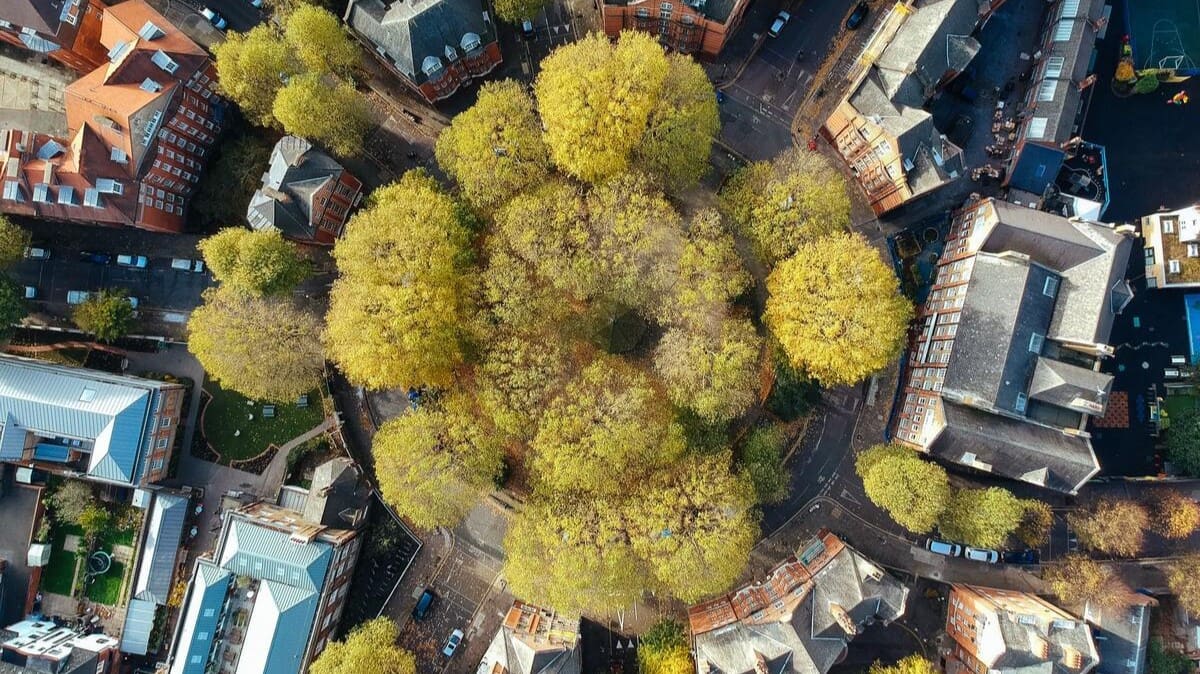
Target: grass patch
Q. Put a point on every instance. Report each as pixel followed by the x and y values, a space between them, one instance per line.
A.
pixel 59 574
pixel 106 589
pixel 1177 405
pixel 228 413
pixel 72 357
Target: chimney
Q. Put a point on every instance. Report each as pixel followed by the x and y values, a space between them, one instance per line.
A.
pixel 843 620
pixel 760 663
pixel 1072 658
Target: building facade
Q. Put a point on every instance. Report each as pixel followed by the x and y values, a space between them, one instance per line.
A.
pixel 434 46
pixel 534 640
pixel 140 128
pixel 1172 248
pixel 67 31
pixel 698 27
pixel 306 195
pixel 110 429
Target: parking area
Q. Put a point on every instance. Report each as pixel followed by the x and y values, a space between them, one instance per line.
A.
pixel 18 504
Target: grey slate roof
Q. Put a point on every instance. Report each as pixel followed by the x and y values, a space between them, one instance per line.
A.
pixel 163 533
pixel 297 171
pixel 1070 386
pixel 934 39
pixel 412 32
pixel 1015 448
pixel 1021 633
pixel 337 497
pixel 1072 39
pixel 44 16
pixel 1122 634
pixel 111 412
pixel 517 656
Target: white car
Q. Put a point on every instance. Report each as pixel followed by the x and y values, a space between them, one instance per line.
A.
pixel 77 296
pixel 781 20
pixel 35 253
pixel 136 261
pixel 943 548
pixel 30 293
pixel 255 3
pixel 981 555
pixel 214 18
pixel 452 643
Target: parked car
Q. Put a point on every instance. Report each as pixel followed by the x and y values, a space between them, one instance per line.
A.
pixel 77 296
pixel 30 293
pixel 981 555
pixel 423 604
pixel 133 302
pixel 95 258
pixel 137 261
pixel 527 29
pixel 857 17
pixel 184 264
pixel 943 548
pixel 255 3
pixel 452 643
pixel 781 20
pixel 36 253
pixel 215 19
pixel 1021 557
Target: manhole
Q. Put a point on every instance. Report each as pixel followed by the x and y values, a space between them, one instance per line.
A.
pixel 99 563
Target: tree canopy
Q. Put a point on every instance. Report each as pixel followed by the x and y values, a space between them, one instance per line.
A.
pixel 664 649
pixel 330 112
pixel 682 125
pixel 278 364
pixel 710 276
pixel 913 491
pixel 253 262
pixel 252 67
pixel 1076 579
pixel 1183 578
pixel 836 309
pixel 1176 515
pixel 12 305
pixel 402 297
pixel 781 204
pixel 716 375
pixel 369 649
pixel 513 11
pixel 231 180
pixel 762 462
pixel 494 149
pixel 13 240
pixel 1183 442
pixel 1113 526
pixel 107 314
pixel 319 41
pixel 911 664
pixel 1036 523
pixel 982 517
pixel 69 500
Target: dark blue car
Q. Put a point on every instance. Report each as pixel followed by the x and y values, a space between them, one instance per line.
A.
pixel 857 17
pixel 95 258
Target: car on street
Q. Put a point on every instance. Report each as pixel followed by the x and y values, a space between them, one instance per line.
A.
pixel 422 608
pixel 452 643
pixel 30 293
pixel 527 29
pixel 215 19
pixel 255 3
pixel 943 548
pixel 981 555
pixel 781 20
pixel 95 258
pixel 77 296
pixel 37 253
pixel 857 17
pixel 1021 557
pixel 133 302
pixel 184 264
pixel 136 261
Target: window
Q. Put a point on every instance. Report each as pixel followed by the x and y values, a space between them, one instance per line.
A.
pixel 165 62
pixel 1050 289
pixel 209 612
pixel 109 186
pixel 1020 403
pixel 1036 341
pixel 12 190
pixel 1168 225
pixel 1047 90
pixel 202 636
pixel 1054 67
pixel 41 193
pixel 162 443
pixel 1173 266
pixel 151 86
pixel 1193 250
pixel 151 32
pixel 1037 127
pixel 166 422
pixel 118 155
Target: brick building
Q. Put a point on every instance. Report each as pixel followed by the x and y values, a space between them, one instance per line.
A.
pixel 700 27
pixel 434 46
pixel 140 127
pixel 68 31
pixel 1172 248
pixel 306 195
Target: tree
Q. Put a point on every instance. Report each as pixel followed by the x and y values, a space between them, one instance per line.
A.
pixel 1183 578
pixel 1160 660
pixel 1176 515
pixel 681 128
pixel 762 462
pixel 231 180
pixel 253 262
pixel 13 240
pixel 782 204
pixel 714 374
pixel 69 501
pixel 317 39
pixel 369 649
pixel 12 306
pixel 1183 442
pixel 278 364
pixel 982 517
pixel 106 314
pixel 836 309
pixel 694 524
pixel 1112 526
pixel 1034 529
pixel 514 11
pixel 607 427
pixel 398 308
pixel 595 99
pixel 517 298
pixel 664 649
pixel 711 274
pixel 495 148
pixel 326 110
pixel 1076 579
pixel 912 664
pixel 547 227
pixel 913 491
pixel 519 376
pixel 251 69
pixel 94 519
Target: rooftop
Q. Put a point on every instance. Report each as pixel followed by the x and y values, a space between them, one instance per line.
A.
pixel 1174 236
pixel 298 174
pixel 533 640
pixel 37 647
pixel 421 36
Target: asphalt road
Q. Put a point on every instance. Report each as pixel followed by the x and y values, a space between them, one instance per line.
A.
pixel 240 14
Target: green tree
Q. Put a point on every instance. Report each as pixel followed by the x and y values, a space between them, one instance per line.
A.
pixel 911 664
pixel 836 309
pixel 982 517
pixel 1183 442
pixel 69 500
pixel 251 69
pixel 1036 523
pixel 368 649
pixel 279 364
pixel 710 275
pixel 13 240
pixel 608 421
pixel 1112 526
pixel 762 462
pixel 328 111
pixel 1146 85
pixel 433 463
pixel 1160 660
pixel 254 262
pixel 318 40
pixel 679 134
pixel 495 148
pixel 714 374
pixel 12 306
pixel 1176 515
pixel 519 376
pixel 913 491
pixel 664 649
pixel 230 181
pixel 513 11
pixel 106 314
pixel 782 204
pixel 1183 579
pixel 516 298
pixel 398 308
pixel 94 519
pixel 1076 579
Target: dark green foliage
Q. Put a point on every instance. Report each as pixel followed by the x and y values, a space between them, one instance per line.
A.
pixel 762 461
pixel 1183 442
pixel 1159 660
pixel 793 394
pixel 230 181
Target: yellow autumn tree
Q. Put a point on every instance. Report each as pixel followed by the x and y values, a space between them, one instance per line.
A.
pixel 370 648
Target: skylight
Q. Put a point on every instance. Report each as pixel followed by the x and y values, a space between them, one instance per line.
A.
pixel 88 395
pixel 150 31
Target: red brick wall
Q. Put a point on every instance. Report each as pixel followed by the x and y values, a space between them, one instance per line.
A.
pixel 702 37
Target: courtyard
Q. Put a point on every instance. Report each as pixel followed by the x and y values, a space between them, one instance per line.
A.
pixel 239 429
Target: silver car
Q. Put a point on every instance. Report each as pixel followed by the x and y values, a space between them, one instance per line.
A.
pixel 943 548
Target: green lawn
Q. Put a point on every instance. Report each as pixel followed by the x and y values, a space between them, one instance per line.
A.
pixel 228 413
pixel 106 589
pixel 59 574
pixel 1175 405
